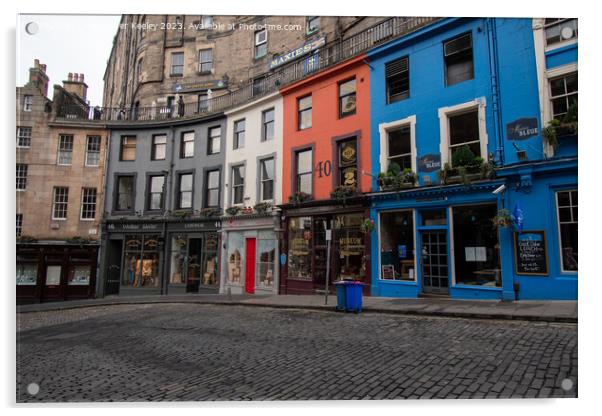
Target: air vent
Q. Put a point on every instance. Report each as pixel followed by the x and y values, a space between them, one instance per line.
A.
pixel 396 67
pixel 462 43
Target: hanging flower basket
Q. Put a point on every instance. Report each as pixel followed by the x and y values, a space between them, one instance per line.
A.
pixel 503 219
pixel 367 226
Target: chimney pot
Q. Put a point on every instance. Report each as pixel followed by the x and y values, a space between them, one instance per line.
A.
pixel 81 77
pixel 36 63
pixel 75 77
pixel 70 76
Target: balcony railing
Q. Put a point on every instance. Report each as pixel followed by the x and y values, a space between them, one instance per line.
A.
pixel 325 57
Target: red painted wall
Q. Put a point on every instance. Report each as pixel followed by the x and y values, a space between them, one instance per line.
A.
pixel 326 125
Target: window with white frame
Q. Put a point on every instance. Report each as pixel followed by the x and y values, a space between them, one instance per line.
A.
pixel 19 224
pixel 214 141
pixel 238 184
pixel 155 194
pixel 60 199
pixel 177 64
pixel 206 22
pixel 261 43
pixel 397 251
pixel 65 149
pixel 399 146
pixel 159 147
pixel 27 102
pixel 464 131
pixel 267 123
pixel 21 177
pixel 23 136
pixel 185 190
pixel 88 207
pixel 187 145
pixel 212 180
pixel 205 60
pixel 313 24
pixel 566 202
pixel 560 30
pixel 266 188
pixel 93 151
pixel 563 94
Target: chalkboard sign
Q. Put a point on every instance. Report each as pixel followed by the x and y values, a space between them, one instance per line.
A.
pixel 531 253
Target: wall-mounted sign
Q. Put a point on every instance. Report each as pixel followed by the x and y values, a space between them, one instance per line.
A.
pixel 530 253
pixel 295 53
pixel 198 85
pixel 522 129
pixel 429 163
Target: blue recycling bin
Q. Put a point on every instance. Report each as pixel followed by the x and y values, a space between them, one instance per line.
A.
pixel 353 296
pixel 341 298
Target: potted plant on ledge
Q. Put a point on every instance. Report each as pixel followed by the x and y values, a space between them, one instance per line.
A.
pixel 558 128
pixel 233 210
pixel 466 167
pixel 394 179
pixel 298 197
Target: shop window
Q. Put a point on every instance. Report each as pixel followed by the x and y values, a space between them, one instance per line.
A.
pixel 184 200
pixel 266 168
pixel 239 134
pixel 214 141
pixel 266 256
pixel 347 98
pixel 304 109
pixel 178 259
pixel 187 145
pixel 560 30
pixel 399 143
pixel 159 147
pixel 21 177
pixel 125 193
pixel 141 261
pixel 177 64
pixel 397 78
pixel 476 246
pixel 304 175
pixel 300 248
pixel 563 93
pixel 464 131
pixel 267 123
pixel 566 202
pixel 60 200
pixel 209 270
pixel 205 61
pixel 397 261
pixel 236 245
pixel 65 153
pixel 261 43
pixel 347 162
pixel 79 275
pixel 27 274
pixel 23 136
pixel 238 184
pixel 156 193
pixel 128 148
pixel 27 102
pixel 458 59
pixel 212 180
pixel 19 224
pixel 93 150
pixel 88 206
pixel 349 247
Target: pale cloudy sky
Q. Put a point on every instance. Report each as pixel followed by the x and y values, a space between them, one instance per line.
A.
pixel 67 43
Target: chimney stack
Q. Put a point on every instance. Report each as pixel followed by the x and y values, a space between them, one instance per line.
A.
pixel 38 77
pixel 75 84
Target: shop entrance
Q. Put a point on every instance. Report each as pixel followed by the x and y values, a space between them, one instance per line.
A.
pixel 250 266
pixel 435 277
pixel 113 271
pixel 195 252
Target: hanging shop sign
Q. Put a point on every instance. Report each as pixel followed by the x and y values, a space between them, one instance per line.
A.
pixel 295 53
pixel 530 253
pixel 522 129
pixel 429 163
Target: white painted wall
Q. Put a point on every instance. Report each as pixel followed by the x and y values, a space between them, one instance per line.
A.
pixel 254 148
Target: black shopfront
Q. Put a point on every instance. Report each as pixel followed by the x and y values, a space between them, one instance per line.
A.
pixel 305 246
pixel 149 257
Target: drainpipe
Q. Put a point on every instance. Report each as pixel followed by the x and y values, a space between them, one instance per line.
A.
pixel 495 91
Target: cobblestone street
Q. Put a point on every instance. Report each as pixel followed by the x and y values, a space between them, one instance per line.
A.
pixel 167 352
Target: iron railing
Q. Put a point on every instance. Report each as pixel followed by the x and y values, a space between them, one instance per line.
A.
pixel 327 56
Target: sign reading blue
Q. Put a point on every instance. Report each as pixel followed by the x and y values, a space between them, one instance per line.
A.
pixel 522 129
pixel 303 50
pixel 429 163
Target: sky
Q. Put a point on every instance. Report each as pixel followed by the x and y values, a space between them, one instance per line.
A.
pixel 67 43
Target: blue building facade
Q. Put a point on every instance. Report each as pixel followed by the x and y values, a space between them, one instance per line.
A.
pixel 474 184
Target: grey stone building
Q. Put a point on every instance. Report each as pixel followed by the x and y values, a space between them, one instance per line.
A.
pixel 156 59
pixel 163 204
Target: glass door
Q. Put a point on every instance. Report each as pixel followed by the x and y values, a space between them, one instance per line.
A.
pixel 435 278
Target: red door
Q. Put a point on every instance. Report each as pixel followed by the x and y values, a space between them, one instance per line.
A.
pixel 250 266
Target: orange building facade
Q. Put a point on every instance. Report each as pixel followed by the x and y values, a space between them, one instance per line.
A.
pixel 326 171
